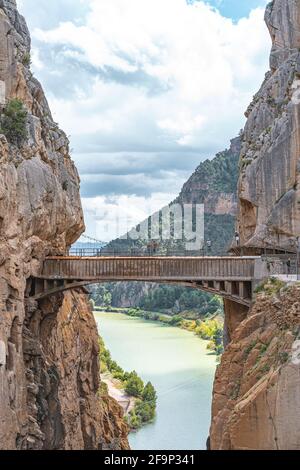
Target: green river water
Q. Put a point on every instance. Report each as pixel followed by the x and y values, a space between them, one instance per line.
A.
pixel 180 368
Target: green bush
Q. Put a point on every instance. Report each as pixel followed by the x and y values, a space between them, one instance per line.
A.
pixel 145 411
pixel 145 405
pixel 134 421
pixel 26 59
pixel 270 286
pixel 134 385
pixel 176 320
pixel 149 393
pixel 13 122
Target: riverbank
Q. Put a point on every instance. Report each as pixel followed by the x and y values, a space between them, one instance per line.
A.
pixel 115 390
pixel 137 399
pixel 180 368
pixel 209 329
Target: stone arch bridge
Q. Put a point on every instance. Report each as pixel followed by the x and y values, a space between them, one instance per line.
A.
pixel 233 278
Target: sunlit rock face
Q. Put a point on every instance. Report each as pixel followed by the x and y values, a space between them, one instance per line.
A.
pixel 256 395
pixel 269 184
pixel 257 386
pixel 40 213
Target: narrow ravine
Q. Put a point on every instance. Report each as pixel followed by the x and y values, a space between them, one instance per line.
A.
pixel 182 371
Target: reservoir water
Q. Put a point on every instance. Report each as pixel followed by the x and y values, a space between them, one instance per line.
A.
pixel 182 371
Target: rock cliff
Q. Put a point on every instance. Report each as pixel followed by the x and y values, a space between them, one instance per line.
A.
pixel 49 375
pixel 257 387
pixel 256 396
pixel 269 183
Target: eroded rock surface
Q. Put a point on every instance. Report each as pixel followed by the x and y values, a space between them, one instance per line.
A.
pixel 257 387
pixel 48 353
pixel 269 184
pixel 256 397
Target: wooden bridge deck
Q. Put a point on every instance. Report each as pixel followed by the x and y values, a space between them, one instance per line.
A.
pixel 230 277
pixel 151 268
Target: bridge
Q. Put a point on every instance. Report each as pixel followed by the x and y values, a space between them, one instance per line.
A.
pixel 233 278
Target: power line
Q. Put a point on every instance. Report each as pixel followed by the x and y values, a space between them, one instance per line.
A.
pixel 94 240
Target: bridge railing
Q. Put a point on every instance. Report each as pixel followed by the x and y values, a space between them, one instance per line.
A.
pixel 281 265
pixel 102 253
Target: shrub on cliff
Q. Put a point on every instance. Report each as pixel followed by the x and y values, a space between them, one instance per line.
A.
pixel 13 122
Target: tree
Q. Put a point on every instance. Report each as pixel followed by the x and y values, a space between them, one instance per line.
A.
pixel 14 122
pixel 149 393
pixel 101 296
pixel 107 299
pixel 134 385
pixel 135 421
pixel 145 411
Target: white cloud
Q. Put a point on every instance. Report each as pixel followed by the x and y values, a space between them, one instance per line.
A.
pixel 151 76
pixel 206 63
pixel 110 218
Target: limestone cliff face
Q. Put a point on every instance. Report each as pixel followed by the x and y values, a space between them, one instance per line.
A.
pixel 269 184
pixel 60 347
pixel 47 393
pixel 256 397
pixel 257 387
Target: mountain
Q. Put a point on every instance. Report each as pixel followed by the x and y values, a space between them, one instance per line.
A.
pixel 213 184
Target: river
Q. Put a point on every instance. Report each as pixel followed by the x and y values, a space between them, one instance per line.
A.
pixel 180 368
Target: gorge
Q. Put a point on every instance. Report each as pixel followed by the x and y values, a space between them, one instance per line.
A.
pixel 49 364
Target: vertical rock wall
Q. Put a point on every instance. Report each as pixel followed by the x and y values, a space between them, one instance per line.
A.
pixel 48 353
pixel 269 184
pixel 257 386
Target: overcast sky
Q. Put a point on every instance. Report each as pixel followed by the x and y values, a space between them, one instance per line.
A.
pixel 146 89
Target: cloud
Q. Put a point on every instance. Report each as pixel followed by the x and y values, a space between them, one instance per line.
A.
pixel 138 184
pixel 146 90
pixel 110 218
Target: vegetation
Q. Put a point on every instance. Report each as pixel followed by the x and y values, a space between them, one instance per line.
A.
pixel 13 122
pixel 26 61
pixel 146 398
pixel 212 177
pixel 270 286
pixel 134 385
pixel 101 295
pixel 161 299
pixel 210 330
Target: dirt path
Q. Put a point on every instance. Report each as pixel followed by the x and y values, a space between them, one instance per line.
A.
pixel 118 393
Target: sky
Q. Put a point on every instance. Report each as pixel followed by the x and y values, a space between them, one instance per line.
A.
pixel 146 90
